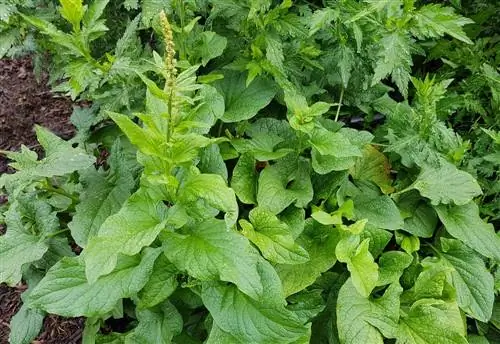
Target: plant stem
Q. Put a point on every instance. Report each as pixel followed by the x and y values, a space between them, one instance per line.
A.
pixel 59 191
pixel 51 235
pixel 340 105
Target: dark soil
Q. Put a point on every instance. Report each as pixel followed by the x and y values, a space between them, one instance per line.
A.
pixel 23 103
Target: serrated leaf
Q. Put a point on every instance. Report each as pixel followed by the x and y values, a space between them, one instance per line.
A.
pixel 463 223
pixel 435 20
pixel 273 238
pixel 66 281
pixel 446 184
pixel 60 159
pixel 243 102
pixel 72 11
pixel 250 320
pixel 394 58
pixel 209 251
pixel 136 225
pixel 472 281
pixel 363 320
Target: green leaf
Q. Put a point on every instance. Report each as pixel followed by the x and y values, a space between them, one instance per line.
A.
pixel 262 146
pixel 60 159
pixel 209 251
pixel 273 238
pixel 379 239
pixel 211 161
pixel 72 11
pixel 244 179
pixel 66 281
pixel 244 102
pixel 135 226
pixel 435 20
pixel 364 320
pixel 25 325
pixel 394 58
pixel 334 144
pixel 286 182
pixel 391 266
pixel 103 196
pixel 432 321
pixel 463 223
pixel 94 12
pixel 29 221
pixel 161 284
pixel 157 325
pixel 373 166
pixel 320 242
pixel 381 211
pixel 209 45
pixel 213 189
pixel 249 320
pixel 218 336
pixel 446 184
pixel 472 281
pixel 360 263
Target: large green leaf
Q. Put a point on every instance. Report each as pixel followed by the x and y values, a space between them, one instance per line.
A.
pixel 463 223
pixel 380 211
pixel 103 196
pixel 135 226
pixel 244 102
pixel 25 325
pixel 446 184
pixel 28 221
pixel 431 321
pixel 156 325
pixel 213 189
pixel 284 183
pixel 209 251
pixel 249 320
pixel 366 320
pixel 320 242
pixel 360 263
pixel 473 282
pixel 60 159
pixel 273 238
pixel 161 284
pixel 66 281
pixel 244 180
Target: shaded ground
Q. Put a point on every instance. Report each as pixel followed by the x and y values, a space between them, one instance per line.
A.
pixel 24 103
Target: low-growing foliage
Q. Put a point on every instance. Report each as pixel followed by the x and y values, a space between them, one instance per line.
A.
pixel 238 204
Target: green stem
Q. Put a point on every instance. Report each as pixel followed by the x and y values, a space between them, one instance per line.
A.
pixel 59 191
pixel 51 235
pixel 340 105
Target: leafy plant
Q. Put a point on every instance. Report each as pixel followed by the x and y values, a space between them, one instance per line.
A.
pixel 235 206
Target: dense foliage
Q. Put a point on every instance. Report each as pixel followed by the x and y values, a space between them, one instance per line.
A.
pixel 258 171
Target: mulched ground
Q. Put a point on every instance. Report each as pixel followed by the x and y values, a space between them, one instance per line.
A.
pixel 23 103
